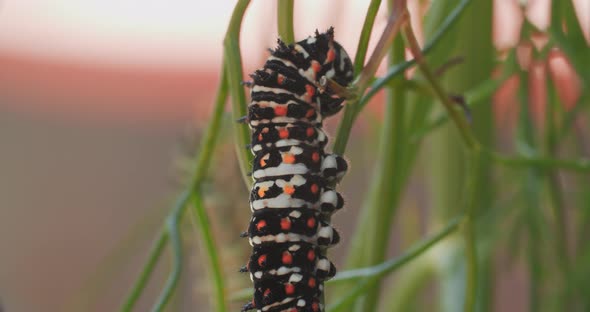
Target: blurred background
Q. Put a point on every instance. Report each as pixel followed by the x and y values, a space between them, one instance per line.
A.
pixel 101 107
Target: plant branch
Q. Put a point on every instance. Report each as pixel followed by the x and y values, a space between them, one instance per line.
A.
pixel 375 273
pixel 396 18
pixel 233 66
pixel 203 159
pixel 175 240
pixel 285 20
pixel 202 219
pixel 472 185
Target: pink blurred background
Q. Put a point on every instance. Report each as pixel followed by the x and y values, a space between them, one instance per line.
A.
pixel 96 99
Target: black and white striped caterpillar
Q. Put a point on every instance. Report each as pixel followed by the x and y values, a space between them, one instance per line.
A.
pixel 291 199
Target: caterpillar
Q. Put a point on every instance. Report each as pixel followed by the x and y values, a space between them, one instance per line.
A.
pixel 292 197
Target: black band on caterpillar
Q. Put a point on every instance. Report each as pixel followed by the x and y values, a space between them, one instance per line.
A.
pixel 291 198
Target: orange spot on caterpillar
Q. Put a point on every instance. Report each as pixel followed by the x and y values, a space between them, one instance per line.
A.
pixel 309 90
pixel 261 224
pixel 310 113
pixel 262 260
pixel 288 158
pixel 330 56
pixel 316 66
pixel 315 157
pixel 262 191
pixel 311 255
pixel 311 283
pixel 315 307
pixel 314 188
pixel 284 133
pixel 311 223
pixel 310 131
pixel 280 79
pixel 289 289
pixel 280 110
pixel 285 224
pixel 287 258
pixel 288 189
pixel 267 292
pixel 263 160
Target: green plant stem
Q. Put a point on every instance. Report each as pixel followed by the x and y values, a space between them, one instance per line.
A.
pixel 353 108
pixel 375 273
pixel 396 70
pixel 556 194
pixel 388 187
pixel 361 50
pixel 285 20
pixel 176 244
pixel 233 66
pixel 459 120
pixel 146 273
pixel 396 19
pixel 202 219
pixel 473 98
pixel 469 232
pixel 578 166
pixel 391 265
pixel 203 159
pixel 526 142
pixel 475 153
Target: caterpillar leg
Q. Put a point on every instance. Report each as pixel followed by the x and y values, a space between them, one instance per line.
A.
pixel 330 201
pixel 333 167
pixel 248 306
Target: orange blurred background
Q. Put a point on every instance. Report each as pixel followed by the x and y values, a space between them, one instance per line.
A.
pixel 96 99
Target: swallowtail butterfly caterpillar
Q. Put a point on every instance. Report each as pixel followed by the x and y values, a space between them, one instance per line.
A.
pixel 291 198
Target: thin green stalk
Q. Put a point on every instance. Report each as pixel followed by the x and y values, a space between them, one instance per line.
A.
pixel 353 108
pixel 233 65
pixel 398 69
pixel 533 252
pixel 203 160
pixel 176 244
pixel 555 190
pixel 526 142
pixel 474 98
pixel 146 273
pixel 202 219
pixel 578 166
pixel 285 20
pixel 396 19
pixel 375 273
pixel 457 117
pixel 345 124
pixel 388 187
pixel 361 50
pixel 475 151
pixel 469 232
pixel 387 267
